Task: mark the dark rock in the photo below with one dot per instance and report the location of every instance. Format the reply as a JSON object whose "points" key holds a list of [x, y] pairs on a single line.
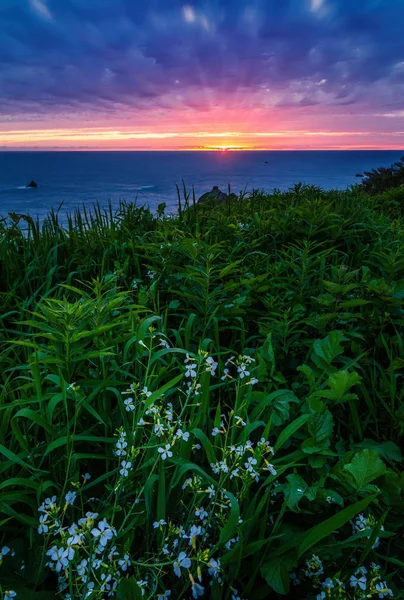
{"points": [[216, 196], [32, 184]]}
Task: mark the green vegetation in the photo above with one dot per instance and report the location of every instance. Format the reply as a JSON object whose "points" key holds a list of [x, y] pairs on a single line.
{"points": [[209, 404], [383, 179]]}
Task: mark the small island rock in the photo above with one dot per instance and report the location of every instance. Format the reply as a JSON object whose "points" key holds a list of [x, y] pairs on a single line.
{"points": [[216, 196], [32, 184]]}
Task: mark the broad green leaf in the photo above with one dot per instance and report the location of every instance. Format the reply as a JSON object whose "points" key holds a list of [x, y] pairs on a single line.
{"points": [[276, 574], [321, 426], [365, 467], [339, 384], [327, 349], [386, 450], [294, 490]]}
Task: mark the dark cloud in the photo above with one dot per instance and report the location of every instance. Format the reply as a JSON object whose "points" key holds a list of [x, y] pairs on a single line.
{"points": [[78, 54]]}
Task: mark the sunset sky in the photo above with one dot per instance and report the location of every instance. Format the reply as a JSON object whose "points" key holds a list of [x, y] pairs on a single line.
{"points": [[171, 74]]}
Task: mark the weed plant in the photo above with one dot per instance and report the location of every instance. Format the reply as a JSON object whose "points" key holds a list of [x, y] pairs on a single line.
{"points": [[205, 405]]}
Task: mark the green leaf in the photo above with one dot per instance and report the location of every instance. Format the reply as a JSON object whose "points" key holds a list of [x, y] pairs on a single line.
{"points": [[386, 450], [321, 426], [15, 459], [327, 527], [129, 590], [207, 445], [365, 467], [276, 574], [294, 490], [162, 390], [230, 528], [290, 430], [339, 384], [33, 416], [327, 349]]}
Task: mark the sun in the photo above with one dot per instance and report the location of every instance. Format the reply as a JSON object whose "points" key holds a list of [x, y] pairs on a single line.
{"points": [[223, 148]]}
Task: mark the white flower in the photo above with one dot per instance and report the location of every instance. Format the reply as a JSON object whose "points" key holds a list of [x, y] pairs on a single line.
{"points": [[124, 563], [242, 370], [166, 594], [193, 533], [70, 497], [157, 524], [358, 582], [182, 562], [271, 468], [86, 476], [197, 590], [215, 431], [120, 446], [61, 557], [125, 468], [48, 504], [106, 586], [184, 436], [129, 404], [240, 421], [146, 392], [211, 491], [82, 568], [214, 568], [211, 365], [226, 374], [165, 452], [9, 594], [159, 429], [43, 528], [164, 343], [383, 590], [90, 516], [104, 532], [328, 583], [252, 381], [190, 372], [249, 465], [187, 483], [5, 550], [201, 513]]}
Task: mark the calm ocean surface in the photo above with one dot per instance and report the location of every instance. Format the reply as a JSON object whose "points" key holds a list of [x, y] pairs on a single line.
{"points": [[77, 178]]}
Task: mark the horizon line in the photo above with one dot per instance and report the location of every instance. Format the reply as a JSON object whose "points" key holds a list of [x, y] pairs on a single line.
{"points": [[217, 149]]}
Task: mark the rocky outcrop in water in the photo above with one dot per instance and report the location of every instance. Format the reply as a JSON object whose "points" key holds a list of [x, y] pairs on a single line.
{"points": [[32, 184], [216, 196]]}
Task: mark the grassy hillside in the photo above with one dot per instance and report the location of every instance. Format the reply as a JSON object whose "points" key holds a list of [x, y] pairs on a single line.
{"points": [[209, 404]]}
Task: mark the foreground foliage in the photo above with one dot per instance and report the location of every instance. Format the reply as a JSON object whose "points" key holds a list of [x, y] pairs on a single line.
{"points": [[208, 405]]}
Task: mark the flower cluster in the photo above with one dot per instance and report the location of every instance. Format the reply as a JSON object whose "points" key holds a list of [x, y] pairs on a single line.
{"points": [[366, 525], [362, 584], [82, 551], [241, 365]]}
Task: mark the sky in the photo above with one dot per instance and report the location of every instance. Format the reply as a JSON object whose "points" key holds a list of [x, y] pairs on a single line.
{"points": [[201, 74]]}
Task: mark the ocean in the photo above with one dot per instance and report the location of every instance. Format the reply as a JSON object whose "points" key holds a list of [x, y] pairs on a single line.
{"points": [[74, 179]]}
